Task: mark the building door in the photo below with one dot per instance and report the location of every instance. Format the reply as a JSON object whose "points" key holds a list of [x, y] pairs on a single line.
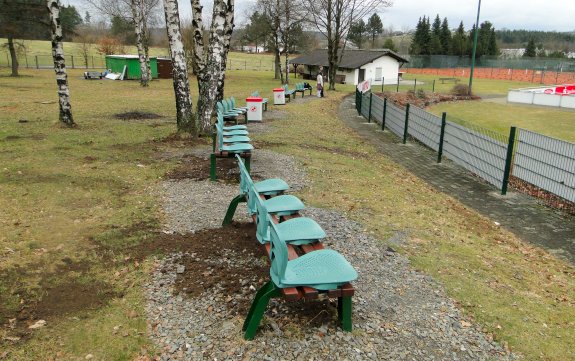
{"points": [[361, 75]]}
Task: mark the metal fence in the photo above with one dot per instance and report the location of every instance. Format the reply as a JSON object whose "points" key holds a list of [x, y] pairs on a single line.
{"points": [[395, 119], [452, 61], [425, 127], [481, 154], [47, 61], [546, 162]]}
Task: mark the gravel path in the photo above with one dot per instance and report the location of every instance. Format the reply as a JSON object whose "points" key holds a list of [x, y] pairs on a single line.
{"points": [[399, 314]]}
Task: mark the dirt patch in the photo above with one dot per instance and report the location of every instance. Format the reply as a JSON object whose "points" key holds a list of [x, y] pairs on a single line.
{"points": [[69, 290], [137, 115], [423, 99], [31, 137], [198, 168], [227, 259]]}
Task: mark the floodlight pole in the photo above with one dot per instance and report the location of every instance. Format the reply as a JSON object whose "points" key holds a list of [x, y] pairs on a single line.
{"points": [[474, 47]]}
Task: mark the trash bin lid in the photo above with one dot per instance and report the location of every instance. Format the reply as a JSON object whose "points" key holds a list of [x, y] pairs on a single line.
{"points": [[254, 99], [279, 89]]}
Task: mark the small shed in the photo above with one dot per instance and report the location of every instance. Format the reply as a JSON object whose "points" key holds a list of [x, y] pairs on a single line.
{"points": [[165, 68], [116, 64], [355, 65]]}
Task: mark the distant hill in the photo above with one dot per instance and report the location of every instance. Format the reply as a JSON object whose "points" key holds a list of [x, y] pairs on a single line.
{"points": [[551, 40]]}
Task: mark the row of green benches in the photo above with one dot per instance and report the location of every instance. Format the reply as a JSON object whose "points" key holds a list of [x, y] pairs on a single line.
{"points": [[300, 267], [299, 88]]}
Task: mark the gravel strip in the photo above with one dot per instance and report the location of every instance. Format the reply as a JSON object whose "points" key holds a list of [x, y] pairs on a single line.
{"points": [[399, 314]]}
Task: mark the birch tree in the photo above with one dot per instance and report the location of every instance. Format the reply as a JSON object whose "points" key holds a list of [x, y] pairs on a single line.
{"points": [[333, 19], [138, 16], [184, 112], [59, 63], [210, 62]]}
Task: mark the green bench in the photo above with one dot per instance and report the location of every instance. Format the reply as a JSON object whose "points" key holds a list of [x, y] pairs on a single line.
{"points": [[300, 267], [229, 141], [288, 93], [449, 80], [229, 112], [300, 88], [256, 94]]}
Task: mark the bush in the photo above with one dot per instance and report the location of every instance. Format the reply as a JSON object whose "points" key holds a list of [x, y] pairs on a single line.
{"points": [[421, 94], [460, 89]]}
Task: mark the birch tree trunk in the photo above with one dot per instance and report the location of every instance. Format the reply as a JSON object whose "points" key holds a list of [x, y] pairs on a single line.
{"points": [[59, 64], [13, 55], [184, 111], [138, 15], [210, 65]]}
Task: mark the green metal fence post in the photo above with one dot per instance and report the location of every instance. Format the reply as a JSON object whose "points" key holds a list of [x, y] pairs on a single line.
{"points": [[508, 160], [441, 136], [382, 83], [397, 89], [370, 99], [358, 103], [37, 66], [415, 85], [384, 112], [72, 58], [433, 89], [405, 129]]}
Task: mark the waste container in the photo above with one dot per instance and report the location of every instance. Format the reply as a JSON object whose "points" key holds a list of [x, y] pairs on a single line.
{"points": [[279, 96], [254, 105]]}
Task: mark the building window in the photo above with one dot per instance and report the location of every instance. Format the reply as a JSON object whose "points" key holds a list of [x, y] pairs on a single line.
{"points": [[378, 72]]}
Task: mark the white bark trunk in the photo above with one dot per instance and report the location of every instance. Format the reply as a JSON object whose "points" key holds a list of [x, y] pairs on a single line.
{"points": [[138, 15], [211, 65], [184, 110], [59, 63]]}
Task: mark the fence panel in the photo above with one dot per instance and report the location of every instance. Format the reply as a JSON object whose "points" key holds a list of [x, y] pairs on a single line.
{"points": [[547, 163], [395, 119], [425, 127], [476, 151], [377, 109], [365, 104]]}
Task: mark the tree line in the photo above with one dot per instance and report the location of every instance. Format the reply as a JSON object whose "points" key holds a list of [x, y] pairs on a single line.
{"points": [[438, 39]]}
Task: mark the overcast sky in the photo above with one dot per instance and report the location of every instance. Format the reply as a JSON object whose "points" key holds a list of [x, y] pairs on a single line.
{"points": [[556, 15]]}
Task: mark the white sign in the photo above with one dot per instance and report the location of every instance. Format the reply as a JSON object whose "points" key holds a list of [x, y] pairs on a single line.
{"points": [[364, 86]]}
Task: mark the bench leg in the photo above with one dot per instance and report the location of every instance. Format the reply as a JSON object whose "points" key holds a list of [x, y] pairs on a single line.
{"points": [[259, 305], [232, 209], [344, 313], [213, 167]]}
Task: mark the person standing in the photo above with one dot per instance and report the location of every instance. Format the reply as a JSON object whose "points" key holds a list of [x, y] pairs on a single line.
{"points": [[320, 83]]}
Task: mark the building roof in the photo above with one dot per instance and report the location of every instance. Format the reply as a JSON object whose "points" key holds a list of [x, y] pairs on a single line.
{"points": [[352, 59]]}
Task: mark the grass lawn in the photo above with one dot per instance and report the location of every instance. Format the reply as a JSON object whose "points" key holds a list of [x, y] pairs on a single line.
{"points": [[75, 201], [496, 115]]}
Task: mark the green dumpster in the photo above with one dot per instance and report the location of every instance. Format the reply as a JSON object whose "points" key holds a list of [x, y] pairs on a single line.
{"points": [[116, 64]]}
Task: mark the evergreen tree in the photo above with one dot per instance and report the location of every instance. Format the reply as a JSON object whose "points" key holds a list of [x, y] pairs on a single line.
{"points": [[435, 46], [470, 41], [70, 18], [531, 49], [459, 41], [420, 45], [493, 49], [374, 27], [445, 37], [357, 33], [87, 18], [389, 44]]}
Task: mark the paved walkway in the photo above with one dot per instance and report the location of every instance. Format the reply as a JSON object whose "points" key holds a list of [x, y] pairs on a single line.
{"points": [[517, 212]]}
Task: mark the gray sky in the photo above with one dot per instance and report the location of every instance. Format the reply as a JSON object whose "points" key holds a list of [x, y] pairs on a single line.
{"points": [[556, 15]]}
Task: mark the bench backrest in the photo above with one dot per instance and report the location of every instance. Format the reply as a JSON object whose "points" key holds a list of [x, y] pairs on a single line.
{"points": [[278, 252], [262, 215], [233, 102], [245, 179], [256, 93], [220, 107], [220, 130]]}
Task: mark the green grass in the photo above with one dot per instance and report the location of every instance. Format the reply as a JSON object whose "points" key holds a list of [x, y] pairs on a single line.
{"points": [[87, 194]]}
